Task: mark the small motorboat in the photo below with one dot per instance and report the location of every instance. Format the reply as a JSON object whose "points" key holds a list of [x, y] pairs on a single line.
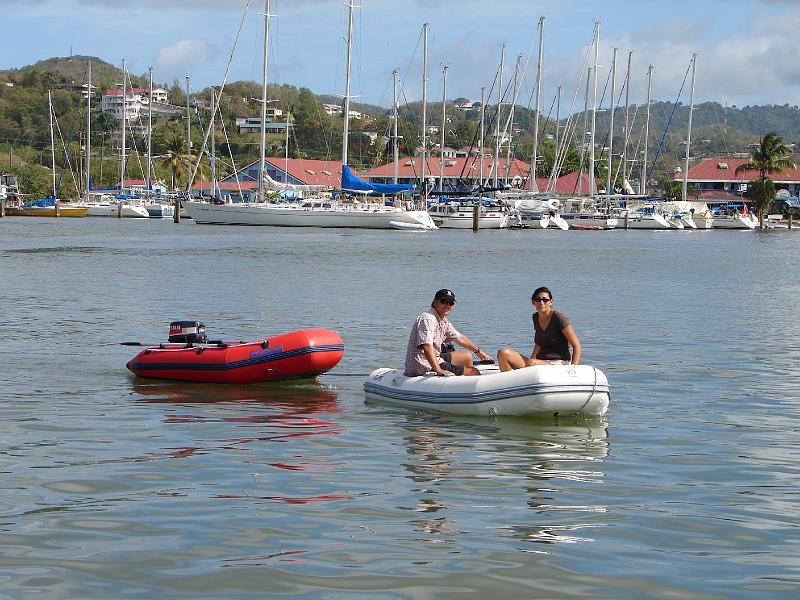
{"points": [[554, 390], [189, 356]]}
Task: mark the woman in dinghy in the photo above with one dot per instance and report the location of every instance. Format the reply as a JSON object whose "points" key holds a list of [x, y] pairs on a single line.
{"points": [[553, 338]]}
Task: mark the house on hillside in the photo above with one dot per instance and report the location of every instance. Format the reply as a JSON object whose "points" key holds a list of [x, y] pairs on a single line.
{"points": [[253, 125]]}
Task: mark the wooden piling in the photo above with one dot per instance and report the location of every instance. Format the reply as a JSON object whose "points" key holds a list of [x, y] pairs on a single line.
{"points": [[790, 221], [58, 208], [119, 209], [476, 217], [626, 219], [176, 218], [2, 208]]}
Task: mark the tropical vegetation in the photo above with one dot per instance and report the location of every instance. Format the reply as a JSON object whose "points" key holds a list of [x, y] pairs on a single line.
{"points": [[25, 140], [770, 157]]}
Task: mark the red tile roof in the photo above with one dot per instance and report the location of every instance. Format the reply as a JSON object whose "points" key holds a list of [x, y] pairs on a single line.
{"points": [[311, 172], [571, 183], [466, 167], [711, 169]]}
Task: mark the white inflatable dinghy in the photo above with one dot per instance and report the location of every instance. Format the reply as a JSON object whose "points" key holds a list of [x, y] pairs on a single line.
{"points": [[555, 389]]}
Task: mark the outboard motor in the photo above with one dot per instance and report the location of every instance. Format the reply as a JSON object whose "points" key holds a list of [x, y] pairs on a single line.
{"points": [[187, 332]]}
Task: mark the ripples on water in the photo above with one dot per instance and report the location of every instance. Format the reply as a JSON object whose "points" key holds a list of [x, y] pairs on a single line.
{"points": [[120, 487]]}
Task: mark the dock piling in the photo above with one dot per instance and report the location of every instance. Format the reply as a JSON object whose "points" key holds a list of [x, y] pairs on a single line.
{"points": [[177, 216], [476, 217]]}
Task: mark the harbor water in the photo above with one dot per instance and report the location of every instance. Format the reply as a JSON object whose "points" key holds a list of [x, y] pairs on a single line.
{"points": [[119, 487]]}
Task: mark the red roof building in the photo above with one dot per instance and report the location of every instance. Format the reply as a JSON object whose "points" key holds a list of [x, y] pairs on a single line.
{"points": [[574, 183], [464, 169], [297, 171], [719, 174]]}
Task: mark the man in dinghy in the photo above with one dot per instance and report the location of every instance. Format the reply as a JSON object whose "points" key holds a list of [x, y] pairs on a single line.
{"points": [[430, 331], [553, 338]]}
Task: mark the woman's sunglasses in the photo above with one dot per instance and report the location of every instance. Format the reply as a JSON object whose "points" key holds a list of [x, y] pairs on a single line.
{"points": [[545, 300]]}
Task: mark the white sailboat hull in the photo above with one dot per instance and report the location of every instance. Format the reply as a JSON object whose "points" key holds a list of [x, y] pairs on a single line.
{"points": [[126, 211], [734, 222], [654, 221], [160, 210], [262, 214], [590, 221], [465, 221]]}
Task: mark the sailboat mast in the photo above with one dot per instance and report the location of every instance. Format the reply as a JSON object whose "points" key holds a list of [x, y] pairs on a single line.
{"points": [[424, 114], [585, 131], [643, 182], [89, 132], [52, 141], [612, 108], [395, 149], [534, 158], [150, 133], [213, 140], [627, 124], [286, 150], [124, 150], [509, 129], [483, 130], [346, 111], [263, 146], [188, 135], [496, 163], [444, 120], [557, 169], [592, 182], [685, 185]]}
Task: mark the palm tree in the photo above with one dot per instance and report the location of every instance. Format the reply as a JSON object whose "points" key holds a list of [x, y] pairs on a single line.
{"points": [[173, 156], [771, 156]]}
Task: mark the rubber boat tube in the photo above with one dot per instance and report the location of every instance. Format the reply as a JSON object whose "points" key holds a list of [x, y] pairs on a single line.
{"points": [[555, 389], [302, 353]]}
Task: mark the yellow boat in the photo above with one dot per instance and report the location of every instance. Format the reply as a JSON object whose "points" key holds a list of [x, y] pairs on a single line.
{"points": [[47, 208]]}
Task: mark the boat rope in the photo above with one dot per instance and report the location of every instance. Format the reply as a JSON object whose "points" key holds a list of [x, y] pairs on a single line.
{"points": [[594, 389]]}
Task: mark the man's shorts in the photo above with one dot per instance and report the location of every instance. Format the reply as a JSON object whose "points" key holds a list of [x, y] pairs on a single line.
{"points": [[448, 366]]}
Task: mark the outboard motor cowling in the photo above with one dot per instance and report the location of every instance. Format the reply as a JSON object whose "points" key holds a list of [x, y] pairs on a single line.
{"points": [[187, 332]]}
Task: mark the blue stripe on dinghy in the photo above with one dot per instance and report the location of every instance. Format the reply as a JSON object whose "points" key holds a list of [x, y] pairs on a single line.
{"points": [[482, 397], [238, 364]]}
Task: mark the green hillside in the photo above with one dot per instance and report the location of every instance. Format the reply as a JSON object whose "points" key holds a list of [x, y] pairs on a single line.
{"points": [[25, 138]]}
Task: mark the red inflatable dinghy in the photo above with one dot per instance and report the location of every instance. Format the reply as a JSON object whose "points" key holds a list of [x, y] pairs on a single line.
{"points": [[302, 353]]}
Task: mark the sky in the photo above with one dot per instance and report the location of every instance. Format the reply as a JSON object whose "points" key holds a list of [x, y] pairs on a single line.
{"points": [[746, 48]]}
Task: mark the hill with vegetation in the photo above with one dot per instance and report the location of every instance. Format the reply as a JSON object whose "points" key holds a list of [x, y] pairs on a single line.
{"points": [[25, 139]]}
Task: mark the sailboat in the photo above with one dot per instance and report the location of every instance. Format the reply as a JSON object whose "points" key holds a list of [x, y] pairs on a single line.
{"points": [[315, 211], [104, 205], [49, 207]]}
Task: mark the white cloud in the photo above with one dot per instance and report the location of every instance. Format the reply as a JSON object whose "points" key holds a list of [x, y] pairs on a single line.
{"points": [[178, 59]]}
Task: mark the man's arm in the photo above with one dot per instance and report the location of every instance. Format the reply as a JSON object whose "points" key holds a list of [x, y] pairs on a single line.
{"points": [[430, 355], [467, 343]]}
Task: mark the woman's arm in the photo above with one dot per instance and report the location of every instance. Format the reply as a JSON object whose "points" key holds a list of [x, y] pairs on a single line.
{"points": [[574, 342], [535, 351]]}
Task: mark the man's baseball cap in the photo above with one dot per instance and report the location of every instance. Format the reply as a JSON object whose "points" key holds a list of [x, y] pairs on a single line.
{"points": [[445, 294]]}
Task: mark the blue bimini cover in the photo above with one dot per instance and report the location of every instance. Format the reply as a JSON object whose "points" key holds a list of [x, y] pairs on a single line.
{"points": [[351, 183], [43, 203]]}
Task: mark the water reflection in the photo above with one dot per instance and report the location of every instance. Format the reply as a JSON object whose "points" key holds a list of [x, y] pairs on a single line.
{"points": [[529, 480], [267, 413], [305, 397]]}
